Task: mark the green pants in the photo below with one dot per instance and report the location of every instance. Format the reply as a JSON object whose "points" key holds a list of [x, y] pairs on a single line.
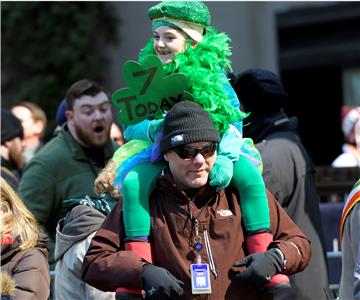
{"points": [[253, 201], [140, 182], [137, 187]]}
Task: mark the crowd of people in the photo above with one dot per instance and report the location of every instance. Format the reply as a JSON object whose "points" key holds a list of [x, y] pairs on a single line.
{"points": [[189, 204]]}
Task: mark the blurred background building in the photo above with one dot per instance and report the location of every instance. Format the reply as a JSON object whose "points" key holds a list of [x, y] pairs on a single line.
{"points": [[313, 46]]}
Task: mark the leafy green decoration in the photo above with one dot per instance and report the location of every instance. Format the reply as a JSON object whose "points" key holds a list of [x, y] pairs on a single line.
{"points": [[149, 92]]}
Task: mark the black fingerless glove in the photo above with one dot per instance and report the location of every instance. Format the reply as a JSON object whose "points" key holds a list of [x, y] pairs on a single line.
{"points": [[260, 267], [159, 283]]}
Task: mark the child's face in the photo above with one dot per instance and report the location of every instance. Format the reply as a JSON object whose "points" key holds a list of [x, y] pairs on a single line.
{"points": [[168, 42]]}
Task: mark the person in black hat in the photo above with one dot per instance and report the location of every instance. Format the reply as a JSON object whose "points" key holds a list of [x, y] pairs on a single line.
{"points": [[193, 227], [288, 171], [12, 162]]}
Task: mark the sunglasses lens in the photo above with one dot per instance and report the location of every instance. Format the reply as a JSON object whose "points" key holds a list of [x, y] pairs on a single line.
{"points": [[190, 152], [208, 151], [185, 153]]}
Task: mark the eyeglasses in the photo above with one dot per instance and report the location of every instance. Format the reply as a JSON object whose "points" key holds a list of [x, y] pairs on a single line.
{"points": [[186, 152]]}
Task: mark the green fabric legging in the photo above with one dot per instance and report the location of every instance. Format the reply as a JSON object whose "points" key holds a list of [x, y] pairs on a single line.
{"points": [[137, 187], [140, 182], [253, 201]]}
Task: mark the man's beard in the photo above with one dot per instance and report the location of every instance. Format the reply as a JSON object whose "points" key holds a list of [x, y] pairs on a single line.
{"points": [[87, 139], [16, 159]]}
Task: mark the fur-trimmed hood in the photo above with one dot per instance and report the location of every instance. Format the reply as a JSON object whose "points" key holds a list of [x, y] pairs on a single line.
{"points": [[7, 287]]}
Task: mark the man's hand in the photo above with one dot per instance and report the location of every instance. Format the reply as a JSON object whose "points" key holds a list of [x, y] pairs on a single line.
{"points": [[260, 267], [221, 173], [159, 283]]}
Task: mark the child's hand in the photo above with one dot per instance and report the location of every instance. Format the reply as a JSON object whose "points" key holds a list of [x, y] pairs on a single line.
{"points": [[154, 127], [221, 173]]}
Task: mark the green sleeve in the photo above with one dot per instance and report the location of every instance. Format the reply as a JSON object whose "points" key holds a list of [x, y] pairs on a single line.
{"points": [[138, 131], [37, 190]]}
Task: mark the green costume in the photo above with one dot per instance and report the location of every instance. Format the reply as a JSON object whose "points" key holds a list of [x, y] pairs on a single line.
{"points": [[211, 89], [204, 65]]}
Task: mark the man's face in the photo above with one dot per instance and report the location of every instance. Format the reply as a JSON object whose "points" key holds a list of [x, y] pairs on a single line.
{"points": [[90, 120], [116, 134], [168, 42], [32, 129], [15, 149], [191, 173]]}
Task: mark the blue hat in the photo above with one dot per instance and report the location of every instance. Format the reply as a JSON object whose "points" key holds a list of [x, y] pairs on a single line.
{"points": [[60, 113]]}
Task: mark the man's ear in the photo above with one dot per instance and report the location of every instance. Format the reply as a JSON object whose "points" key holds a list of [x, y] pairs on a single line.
{"points": [[69, 115], [7, 144], [166, 157]]}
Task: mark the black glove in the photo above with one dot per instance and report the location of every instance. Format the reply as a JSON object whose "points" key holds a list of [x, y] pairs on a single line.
{"points": [[159, 283], [260, 267]]}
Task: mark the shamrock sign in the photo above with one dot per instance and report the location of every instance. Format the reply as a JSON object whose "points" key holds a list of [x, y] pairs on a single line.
{"points": [[149, 92]]}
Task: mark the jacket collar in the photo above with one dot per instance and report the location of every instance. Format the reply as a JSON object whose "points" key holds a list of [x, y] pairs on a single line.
{"points": [[199, 196], [262, 126]]}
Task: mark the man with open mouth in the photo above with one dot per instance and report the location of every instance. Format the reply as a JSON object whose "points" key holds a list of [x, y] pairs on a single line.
{"points": [[68, 165]]}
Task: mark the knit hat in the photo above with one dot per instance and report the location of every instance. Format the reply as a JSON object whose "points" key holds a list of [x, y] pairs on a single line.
{"points": [[185, 123], [260, 92], [190, 16], [10, 126]]}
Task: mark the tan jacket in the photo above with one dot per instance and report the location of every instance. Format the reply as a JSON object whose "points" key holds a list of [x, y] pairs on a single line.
{"points": [[29, 270]]}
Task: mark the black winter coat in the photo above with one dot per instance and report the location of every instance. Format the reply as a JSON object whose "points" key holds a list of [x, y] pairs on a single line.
{"points": [[289, 175]]}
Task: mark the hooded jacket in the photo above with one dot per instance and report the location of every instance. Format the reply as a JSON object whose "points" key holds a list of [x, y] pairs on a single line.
{"points": [[29, 270], [172, 242], [73, 237]]}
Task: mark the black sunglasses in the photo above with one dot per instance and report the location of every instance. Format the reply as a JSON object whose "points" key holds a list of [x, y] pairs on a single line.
{"points": [[187, 152]]}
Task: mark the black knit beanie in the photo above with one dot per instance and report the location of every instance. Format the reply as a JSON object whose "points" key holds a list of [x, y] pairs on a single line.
{"points": [[185, 123], [10, 126]]}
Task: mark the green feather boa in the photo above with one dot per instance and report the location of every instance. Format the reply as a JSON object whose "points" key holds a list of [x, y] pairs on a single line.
{"points": [[205, 65]]}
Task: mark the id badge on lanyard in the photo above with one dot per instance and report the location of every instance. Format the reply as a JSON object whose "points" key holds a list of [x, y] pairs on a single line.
{"points": [[200, 279], [200, 272]]}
